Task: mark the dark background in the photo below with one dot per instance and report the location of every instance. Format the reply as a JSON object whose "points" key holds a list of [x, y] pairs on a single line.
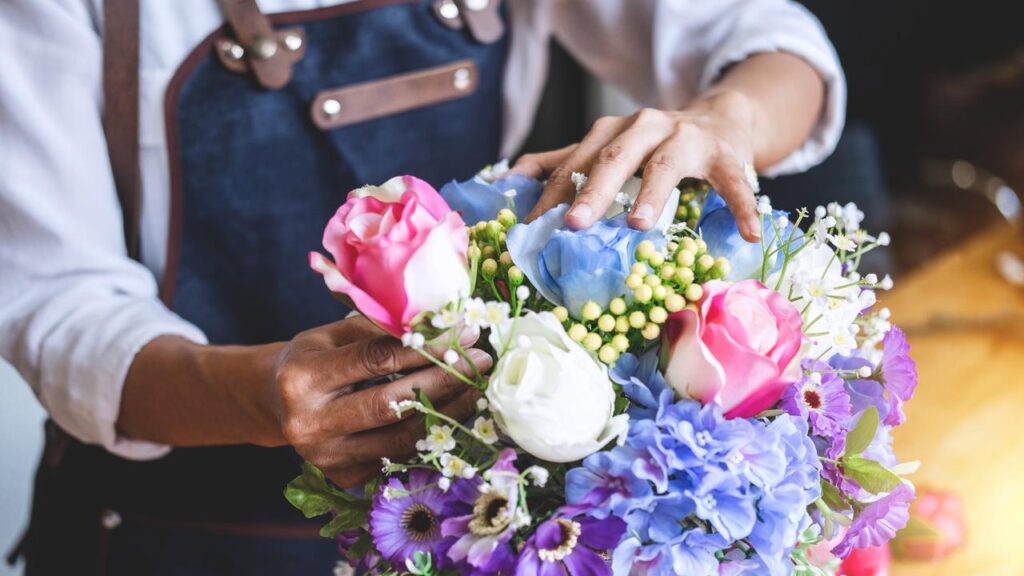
{"points": [[929, 83]]}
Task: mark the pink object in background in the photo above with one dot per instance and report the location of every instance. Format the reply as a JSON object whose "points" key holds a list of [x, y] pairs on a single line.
{"points": [[867, 562], [937, 527]]}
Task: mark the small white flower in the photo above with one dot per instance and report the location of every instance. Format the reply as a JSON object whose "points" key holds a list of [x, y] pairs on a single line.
{"points": [[622, 199], [886, 283], [816, 290], [782, 222], [522, 293], [538, 474], [819, 212], [385, 464], [481, 404], [843, 242], [389, 493], [521, 519], [510, 193], [484, 429], [883, 239], [439, 440], [578, 180], [852, 216], [444, 484], [454, 467], [394, 406], [445, 319], [864, 371], [843, 341], [871, 278], [764, 205], [829, 221], [451, 356], [490, 173], [413, 340], [495, 312], [885, 313], [475, 313]]}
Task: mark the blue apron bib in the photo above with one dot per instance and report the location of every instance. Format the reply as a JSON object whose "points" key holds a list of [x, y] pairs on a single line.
{"points": [[254, 181]]}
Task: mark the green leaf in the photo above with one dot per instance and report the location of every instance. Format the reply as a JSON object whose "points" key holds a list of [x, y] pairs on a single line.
{"points": [[832, 497], [429, 419], [860, 437], [363, 545], [311, 493], [871, 475], [349, 517]]}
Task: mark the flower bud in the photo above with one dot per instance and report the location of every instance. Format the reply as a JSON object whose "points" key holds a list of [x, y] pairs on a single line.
{"points": [[620, 343], [694, 292], [606, 323], [488, 251], [684, 277], [617, 306], [637, 319], [656, 259], [592, 342], [506, 218], [622, 324], [643, 293], [685, 258], [634, 281], [505, 259], [515, 275], [474, 252], [577, 332], [658, 315], [590, 311], [561, 312], [489, 268], [652, 280], [639, 268], [645, 250], [608, 354], [667, 272], [659, 292], [674, 302], [704, 263], [651, 331]]}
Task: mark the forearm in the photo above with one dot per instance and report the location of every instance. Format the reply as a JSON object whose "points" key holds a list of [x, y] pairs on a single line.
{"points": [[184, 394], [780, 97]]}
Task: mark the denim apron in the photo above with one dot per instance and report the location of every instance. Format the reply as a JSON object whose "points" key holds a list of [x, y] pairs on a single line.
{"points": [[256, 174]]}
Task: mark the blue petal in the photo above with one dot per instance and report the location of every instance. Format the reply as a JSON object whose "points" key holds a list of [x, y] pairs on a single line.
{"points": [[525, 243]]}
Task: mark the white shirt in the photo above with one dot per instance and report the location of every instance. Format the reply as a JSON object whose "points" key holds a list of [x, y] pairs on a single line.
{"points": [[74, 309]]}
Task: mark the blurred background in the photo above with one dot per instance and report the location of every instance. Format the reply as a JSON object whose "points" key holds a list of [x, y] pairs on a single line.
{"points": [[933, 151]]}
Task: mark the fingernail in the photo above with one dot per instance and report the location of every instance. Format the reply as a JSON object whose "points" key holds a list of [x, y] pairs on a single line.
{"points": [[582, 212], [753, 226], [643, 212], [480, 358]]}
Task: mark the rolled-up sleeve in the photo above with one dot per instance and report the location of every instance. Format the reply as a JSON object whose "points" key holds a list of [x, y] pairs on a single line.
{"points": [[74, 309], [665, 53]]}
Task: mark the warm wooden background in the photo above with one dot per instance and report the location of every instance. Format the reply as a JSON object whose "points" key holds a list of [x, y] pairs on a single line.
{"points": [[966, 422]]}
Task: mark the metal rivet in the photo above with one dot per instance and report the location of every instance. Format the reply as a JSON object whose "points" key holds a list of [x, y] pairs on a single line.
{"points": [[331, 107], [232, 50], [264, 47], [462, 79], [110, 519], [477, 5], [292, 42], [448, 10]]}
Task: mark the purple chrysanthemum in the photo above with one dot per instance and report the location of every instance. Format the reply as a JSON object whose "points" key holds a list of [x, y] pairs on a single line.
{"points": [[406, 518], [878, 522], [563, 546], [899, 374], [821, 398], [480, 538]]}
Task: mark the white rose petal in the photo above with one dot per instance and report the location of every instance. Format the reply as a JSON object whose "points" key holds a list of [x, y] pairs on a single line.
{"points": [[548, 394]]}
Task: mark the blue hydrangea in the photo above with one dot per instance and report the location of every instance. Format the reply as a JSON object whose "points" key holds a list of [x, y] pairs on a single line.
{"points": [[718, 228], [689, 483]]}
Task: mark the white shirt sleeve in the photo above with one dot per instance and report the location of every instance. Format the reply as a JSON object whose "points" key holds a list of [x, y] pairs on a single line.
{"points": [[74, 309], [664, 53]]}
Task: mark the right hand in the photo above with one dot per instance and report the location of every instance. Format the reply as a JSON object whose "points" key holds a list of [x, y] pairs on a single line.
{"points": [[345, 432]]}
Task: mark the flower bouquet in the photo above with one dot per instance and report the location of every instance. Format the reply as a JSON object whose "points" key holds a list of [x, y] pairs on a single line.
{"points": [[672, 401]]}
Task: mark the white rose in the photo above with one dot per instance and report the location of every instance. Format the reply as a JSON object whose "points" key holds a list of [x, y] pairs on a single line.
{"points": [[548, 394]]}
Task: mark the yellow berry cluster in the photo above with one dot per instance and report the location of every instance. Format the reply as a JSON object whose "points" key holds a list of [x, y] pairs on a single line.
{"points": [[659, 284], [489, 254], [691, 197]]}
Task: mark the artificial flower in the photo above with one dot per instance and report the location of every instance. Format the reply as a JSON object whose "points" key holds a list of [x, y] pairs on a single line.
{"points": [[878, 522], [936, 529], [539, 373], [569, 546], [573, 267], [820, 397], [898, 374], [398, 251], [479, 199], [406, 518], [740, 350], [718, 228]]}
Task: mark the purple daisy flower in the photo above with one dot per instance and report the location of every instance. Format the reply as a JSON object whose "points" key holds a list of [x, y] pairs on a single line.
{"points": [[563, 545], [406, 518], [481, 537], [878, 522], [821, 398], [899, 374]]}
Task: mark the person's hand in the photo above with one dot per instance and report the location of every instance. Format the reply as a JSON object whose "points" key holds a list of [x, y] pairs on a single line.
{"points": [[711, 140], [345, 432]]}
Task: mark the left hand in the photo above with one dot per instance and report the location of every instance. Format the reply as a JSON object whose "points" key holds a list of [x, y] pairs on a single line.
{"points": [[712, 140]]}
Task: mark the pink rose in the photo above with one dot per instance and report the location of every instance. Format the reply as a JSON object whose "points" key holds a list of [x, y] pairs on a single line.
{"points": [[741, 350], [398, 250], [936, 528]]}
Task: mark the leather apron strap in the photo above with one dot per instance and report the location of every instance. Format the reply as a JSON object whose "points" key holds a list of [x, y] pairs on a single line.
{"points": [[271, 65], [121, 109]]}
